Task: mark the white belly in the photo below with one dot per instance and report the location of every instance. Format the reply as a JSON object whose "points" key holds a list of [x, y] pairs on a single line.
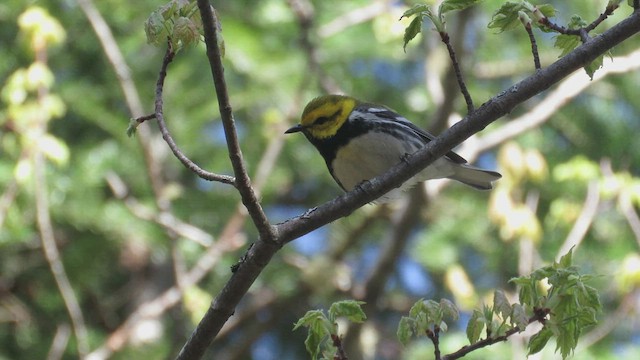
{"points": [[364, 158]]}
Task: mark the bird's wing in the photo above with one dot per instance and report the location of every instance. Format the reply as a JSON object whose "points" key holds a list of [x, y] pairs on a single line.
{"points": [[389, 114]]}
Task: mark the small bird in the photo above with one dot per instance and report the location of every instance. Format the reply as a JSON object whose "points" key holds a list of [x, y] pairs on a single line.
{"points": [[360, 141]]}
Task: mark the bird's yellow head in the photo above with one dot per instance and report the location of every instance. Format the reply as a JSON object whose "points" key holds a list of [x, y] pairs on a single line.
{"points": [[324, 116]]}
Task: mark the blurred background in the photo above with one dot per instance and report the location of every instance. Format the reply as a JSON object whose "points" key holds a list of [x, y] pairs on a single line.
{"points": [[110, 248]]}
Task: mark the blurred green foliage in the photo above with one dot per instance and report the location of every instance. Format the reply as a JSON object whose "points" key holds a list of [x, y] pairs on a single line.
{"points": [[125, 231]]}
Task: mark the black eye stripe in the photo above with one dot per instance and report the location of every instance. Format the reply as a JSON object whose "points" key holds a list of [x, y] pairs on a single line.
{"points": [[321, 120], [324, 119]]}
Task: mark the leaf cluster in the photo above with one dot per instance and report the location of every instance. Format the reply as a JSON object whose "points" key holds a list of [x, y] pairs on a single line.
{"points": [[324, 326], [426, 317], [422, 11], [565, 307], [179, 21], [571, 304], [512, 14]]}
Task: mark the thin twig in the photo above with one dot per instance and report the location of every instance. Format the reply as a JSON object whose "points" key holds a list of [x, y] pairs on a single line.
{"points": [[166, 135], [340, 353], [539, 316], [534, 46], [454, 62], [443, 87], [139, 120], [434, 336], [603, 16], [582, 32]]}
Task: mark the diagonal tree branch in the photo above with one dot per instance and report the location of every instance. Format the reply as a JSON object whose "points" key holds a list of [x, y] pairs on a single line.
{"points": [[262, 251], [242, 181]]}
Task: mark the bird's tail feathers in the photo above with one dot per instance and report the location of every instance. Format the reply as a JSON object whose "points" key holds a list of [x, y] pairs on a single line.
{"points": [[475, 177]]}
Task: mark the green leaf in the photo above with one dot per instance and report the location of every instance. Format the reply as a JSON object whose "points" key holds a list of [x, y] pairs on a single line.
{"points": [[539, 340], [310, 319], [155, 30], [319, 329], [350, 309], [566, 43], [449, 309], [412, 30], [519, 317], [416, 9], [506, 18], [576, 22], [501, 304], [567, 259], [592, 298], [475, 326], [547, 10], [594, 65], [417, 309], [450, 5], [313, 342], [405, 330], [433, 312]]}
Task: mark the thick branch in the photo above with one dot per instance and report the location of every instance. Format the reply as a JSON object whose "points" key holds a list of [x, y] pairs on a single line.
{"points": [[259, 255]]}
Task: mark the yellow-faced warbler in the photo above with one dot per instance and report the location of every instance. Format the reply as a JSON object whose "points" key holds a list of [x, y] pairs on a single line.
{"points": [[360, 141]]}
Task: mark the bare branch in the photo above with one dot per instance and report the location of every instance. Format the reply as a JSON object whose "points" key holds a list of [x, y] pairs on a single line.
{"points": [[242, 181], [434, 336], [534, 46], [166, 135], [582, 32], [456, 67]]}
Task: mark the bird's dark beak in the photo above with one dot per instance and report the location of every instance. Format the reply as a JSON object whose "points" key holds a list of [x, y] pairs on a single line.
{"points": [[295, 129]]}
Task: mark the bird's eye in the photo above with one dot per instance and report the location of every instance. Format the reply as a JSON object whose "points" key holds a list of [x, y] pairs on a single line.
{"points": [[321, 120]]}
